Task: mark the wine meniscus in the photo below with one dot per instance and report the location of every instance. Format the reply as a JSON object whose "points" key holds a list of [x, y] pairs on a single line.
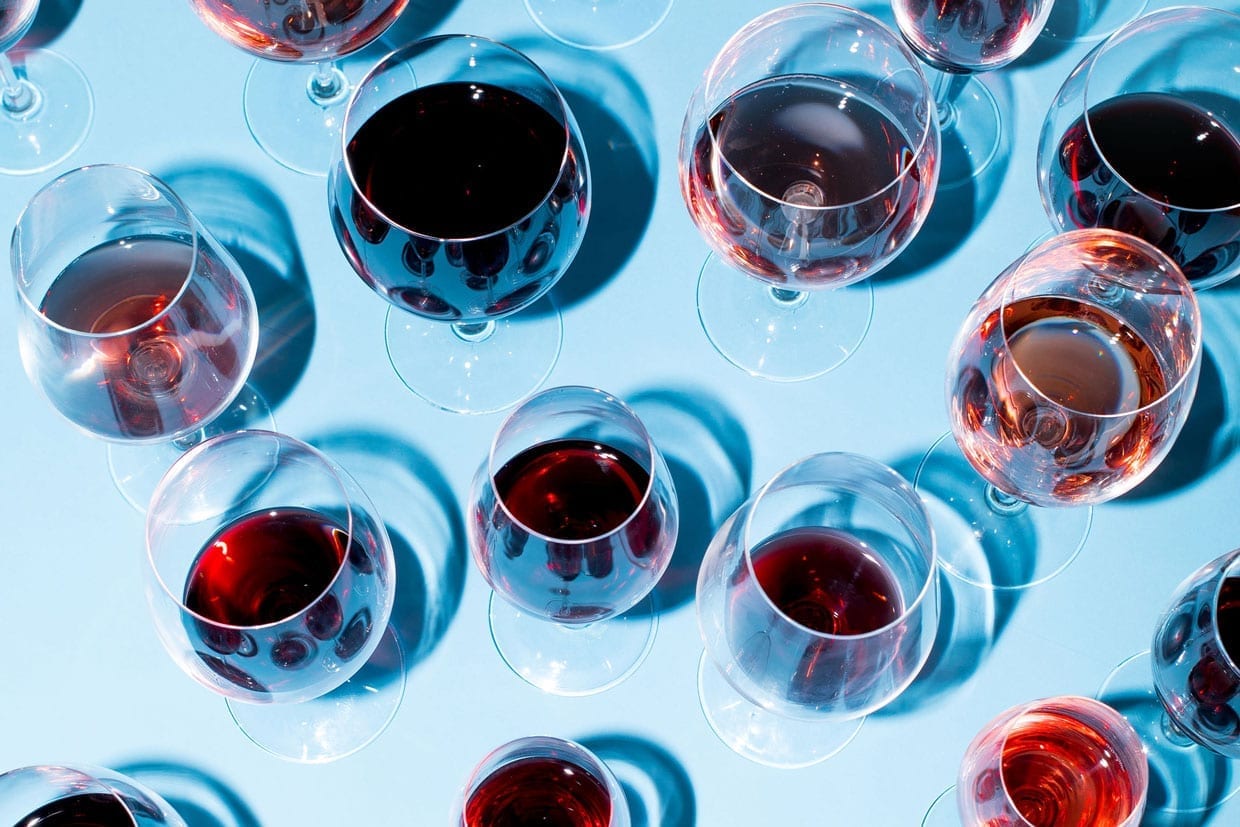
{"points": [[299, 30], [539, 791], [970, 35]]}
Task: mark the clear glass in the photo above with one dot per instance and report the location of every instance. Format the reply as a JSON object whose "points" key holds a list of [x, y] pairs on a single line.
{"points": [[786, 694], [321, 682], [557, 620], [137, 325], [37, 795], [296, 92], [1172, 72], [449, 332], [1087, 21], [598, 24], [804, 214]]}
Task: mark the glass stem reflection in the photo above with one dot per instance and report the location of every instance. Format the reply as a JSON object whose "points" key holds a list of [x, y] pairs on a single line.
{"points": [[474, 332], [19, 97], [788, 299], [1174, 733], [1003, 503], [328, 85], [947, 88]]}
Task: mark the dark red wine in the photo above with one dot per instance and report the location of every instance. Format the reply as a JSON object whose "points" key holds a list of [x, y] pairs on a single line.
{"points": [[970, 35], [470, 200], [539, 792], [1159, 167], [299, 29], [80, 810]]}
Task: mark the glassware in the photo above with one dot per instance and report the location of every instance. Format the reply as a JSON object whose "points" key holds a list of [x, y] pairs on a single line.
{"points": [[1067, 384], [293, 111], [792, 211], [138, 326], [1087, 21], [959, 39], [1169, 78], [598, 24], [46, 105], [542, 780], [573, 519], [271, 581], [61, 796], [461, 198], [818, 604]]}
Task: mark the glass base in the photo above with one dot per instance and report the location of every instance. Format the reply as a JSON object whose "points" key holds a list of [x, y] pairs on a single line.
{"points": [[572, 660], [988, 538], [972, 123], [334, 725], [295, 121], [781, 335], [475, 371], [943, 811], [598, 24], [1185, 777], [762, 736], [56, 121], [1087, 21]]}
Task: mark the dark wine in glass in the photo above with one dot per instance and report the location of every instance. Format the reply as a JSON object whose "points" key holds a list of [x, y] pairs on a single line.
{"points": [[81, 810], [80, 796]]}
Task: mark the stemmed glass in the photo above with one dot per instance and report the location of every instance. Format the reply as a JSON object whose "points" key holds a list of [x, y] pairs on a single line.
{"points": [[293, 111], [1067, 384], [461, 198], [1144, 137], [573, 519], [598, 24], [46, 104], [808, 160], [817, 603], [542, 780], [271, 579], [960, 38], [1082, 21], [137, 325], [63, 796]]}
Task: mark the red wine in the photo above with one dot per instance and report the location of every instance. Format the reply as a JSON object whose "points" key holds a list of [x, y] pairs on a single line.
{"points": [[539, 792], [970, 35], [80, 810], [299, 30], [15, 18], [778, 150], [1156, 166], [480, 195]]}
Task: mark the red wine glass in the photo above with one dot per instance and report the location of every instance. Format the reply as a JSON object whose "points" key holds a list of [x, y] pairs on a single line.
{"points": [[296, 91], [138, 326], [80, 796], [270, 581], [1067, 384], [598, 24], [461, 198], [1144, 138], [808, 160], [573, 519], [545, 781], [818, 604], [1065, 761]]}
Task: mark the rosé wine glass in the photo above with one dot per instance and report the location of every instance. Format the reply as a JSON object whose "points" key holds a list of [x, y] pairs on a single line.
{"points": [[80, 796], [572, 521]]}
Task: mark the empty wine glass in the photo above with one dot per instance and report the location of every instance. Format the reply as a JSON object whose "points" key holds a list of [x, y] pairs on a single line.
{"points": [[818, 604], [1067, 384], [960, 38], [1065, 761], [542, 780], [80, 796], [1085, 21], [138, 326], [808, 160], [461, 198], [598, 24], [271, 579], [46, 104], [294, 111], [573, 519], [1144, 137]]}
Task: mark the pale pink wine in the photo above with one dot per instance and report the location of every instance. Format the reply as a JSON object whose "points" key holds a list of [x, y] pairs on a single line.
{"points": [[299, 29], [80, 810]]}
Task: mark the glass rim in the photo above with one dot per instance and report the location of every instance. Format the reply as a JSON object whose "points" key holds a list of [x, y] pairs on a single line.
{"points": [[1229, 567], [191, 225], [403, 55], [97, 777]]}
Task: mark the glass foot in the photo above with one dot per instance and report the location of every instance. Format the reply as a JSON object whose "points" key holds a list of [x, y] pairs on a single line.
{"points": [[56, 115], [598, 24], [943, 811], [564, 659], [781, 335], [1086, 21], [972, 123], [296, 116]]}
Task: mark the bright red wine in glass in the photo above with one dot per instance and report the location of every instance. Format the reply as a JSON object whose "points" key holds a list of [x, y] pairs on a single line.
{"points": [[539, 792]]}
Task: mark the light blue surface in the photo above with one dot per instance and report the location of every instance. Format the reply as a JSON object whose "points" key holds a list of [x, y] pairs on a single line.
{"points": [[83, 678]]}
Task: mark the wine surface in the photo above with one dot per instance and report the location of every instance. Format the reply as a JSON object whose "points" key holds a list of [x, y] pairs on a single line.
{"points": [[298, 30], [539, 792]]}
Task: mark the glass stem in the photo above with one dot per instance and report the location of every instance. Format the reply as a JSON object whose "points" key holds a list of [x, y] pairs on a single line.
{"points": [[1001, 502], [1174, 734], [328, 84], [474, 332], [788, 299], [17, 97], [947, 89]]}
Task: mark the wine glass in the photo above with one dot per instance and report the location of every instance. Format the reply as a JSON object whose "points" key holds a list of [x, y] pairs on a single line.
{"points": [[1065, 761], [461, 198], [542, 780], [598, 24], [293, 111], [1086, 21], [46, 104], [271, 579], [808, 160], [573, 519], [818, 604], [960, 38], [75, 796], [1168, 77], [138, 326], [1067, 384]]}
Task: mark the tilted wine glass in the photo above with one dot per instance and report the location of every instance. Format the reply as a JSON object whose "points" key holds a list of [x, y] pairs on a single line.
{"points": [[572, 520], [1144, 137], [818, 604], [461, 198], [598, 24], [74, 796], [808, 160], [270, 580], [294, 111]]}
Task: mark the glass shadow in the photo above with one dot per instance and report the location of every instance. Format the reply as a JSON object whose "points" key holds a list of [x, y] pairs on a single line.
{"points": [[200, 798], [50, 22], [657, 787]]}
